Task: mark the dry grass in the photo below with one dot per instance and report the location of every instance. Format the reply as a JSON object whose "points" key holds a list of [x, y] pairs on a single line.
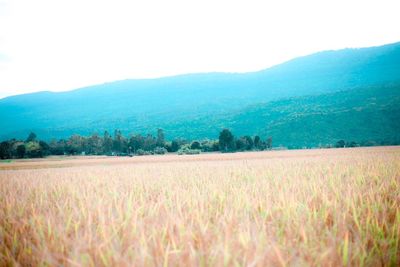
{"points": [[336, 207]]}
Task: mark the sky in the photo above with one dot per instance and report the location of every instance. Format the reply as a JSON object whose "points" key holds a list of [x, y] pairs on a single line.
{"points": [[56, 45]]}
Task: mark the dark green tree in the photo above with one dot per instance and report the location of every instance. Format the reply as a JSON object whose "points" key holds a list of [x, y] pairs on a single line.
{"points": [[226, 141], [58, 147], [21, 150], [215, 146], [268, 143], [75, 144], [352, 144], [107, 143], [94, 144], [249, 142], [174, 146], [195, 145], [240, 144], [5, 150], [44, 148], [257, 142], [341, 143], [160, 138], [136, 142], [120, 145], [150, 143], [14, 147]]}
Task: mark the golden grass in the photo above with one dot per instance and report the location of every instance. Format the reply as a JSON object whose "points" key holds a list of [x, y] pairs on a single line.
{"points": [[337, 207]]}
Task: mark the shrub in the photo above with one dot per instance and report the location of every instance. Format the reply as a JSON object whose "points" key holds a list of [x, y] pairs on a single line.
{"points": [[141, 152], [188, 151], [160, 150]]}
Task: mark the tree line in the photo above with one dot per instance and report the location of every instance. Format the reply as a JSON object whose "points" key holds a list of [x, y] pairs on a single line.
{"points": [[134, 144]]}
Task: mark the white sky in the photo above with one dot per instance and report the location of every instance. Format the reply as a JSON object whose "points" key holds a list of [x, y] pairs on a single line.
{"points": [[61, 45]]}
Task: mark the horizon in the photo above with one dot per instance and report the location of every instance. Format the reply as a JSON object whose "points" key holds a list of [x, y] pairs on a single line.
{"points": [[60, 46]]}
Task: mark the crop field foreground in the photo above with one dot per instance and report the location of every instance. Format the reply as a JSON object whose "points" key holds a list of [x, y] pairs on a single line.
{"points": [[334, 207]]}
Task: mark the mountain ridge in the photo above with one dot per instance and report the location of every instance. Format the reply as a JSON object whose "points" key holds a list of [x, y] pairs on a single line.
{"points": [[140, 104], [355, 49]]}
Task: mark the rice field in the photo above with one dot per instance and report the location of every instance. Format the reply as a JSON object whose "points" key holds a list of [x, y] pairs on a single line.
{"points": [[334, 207]]}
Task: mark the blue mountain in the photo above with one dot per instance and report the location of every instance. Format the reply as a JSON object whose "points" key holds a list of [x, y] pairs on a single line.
{"points": [[198, 105]]}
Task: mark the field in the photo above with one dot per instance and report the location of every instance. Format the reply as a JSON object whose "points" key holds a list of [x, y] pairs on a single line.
{"points": [[334, 207]]}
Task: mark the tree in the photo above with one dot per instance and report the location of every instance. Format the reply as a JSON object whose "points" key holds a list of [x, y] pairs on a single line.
{"points": [[120, 143], [5, 150], [269, 143], [14, 147], [195, 145], [244, 143], [160, 138], [58, 147], [44, 148], [241, 144], [352, 144], [257, 142], [215, 146], [341, 143], [174, 146], [31, 138], [95, 144], [209, 145], [136, 142], [33, 150], [21, 151], [149, 143], [107, 143], [75, 144], [226, 140], [249, 142]]}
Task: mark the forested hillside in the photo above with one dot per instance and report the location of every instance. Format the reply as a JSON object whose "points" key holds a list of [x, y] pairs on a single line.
{"points": [[350, 93], [364, 114]]}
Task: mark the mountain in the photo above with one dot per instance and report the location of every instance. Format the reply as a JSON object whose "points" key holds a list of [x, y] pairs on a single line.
{"points": [[198, 105]]}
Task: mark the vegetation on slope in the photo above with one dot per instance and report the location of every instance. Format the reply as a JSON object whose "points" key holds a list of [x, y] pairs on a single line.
{"points": [[365, 114], [198, 105]]}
